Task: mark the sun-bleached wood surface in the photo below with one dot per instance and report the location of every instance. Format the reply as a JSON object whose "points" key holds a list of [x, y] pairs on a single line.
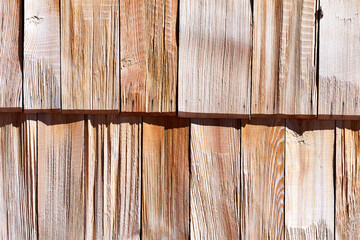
{"points": [[262, 179], [148, 55], [214, 58], [215, 179], [283, 63], [339, 85], [309, 179], [165, 174], [347, 206], [41, 55]]}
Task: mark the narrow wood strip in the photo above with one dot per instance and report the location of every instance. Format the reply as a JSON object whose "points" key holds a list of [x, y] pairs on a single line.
{"points": [[215, 179], [262, 179], [42, 55], [165, 197]]}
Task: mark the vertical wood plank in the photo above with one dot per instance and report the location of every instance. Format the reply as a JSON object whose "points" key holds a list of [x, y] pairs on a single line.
{"points": [[165, 198], [148, 55], [262, 179], [309, 179], [112, 177], [10, 55], [214, 58], [61, 176], [215, 179], [42, 55], [284, 70], [339, 86], [90, 55], [347, 206], [18, 218]]}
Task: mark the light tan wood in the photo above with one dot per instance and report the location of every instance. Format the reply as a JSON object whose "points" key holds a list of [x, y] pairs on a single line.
{"points": [[18, 218], [10, 55], [347, 206], [42, 55], [214, 57], [284, 47], [165, 196], [90, 55], [113, 177], [61, 176], [309, 179], [215, 179], [148, 55], [262, 179], [339, 86]]}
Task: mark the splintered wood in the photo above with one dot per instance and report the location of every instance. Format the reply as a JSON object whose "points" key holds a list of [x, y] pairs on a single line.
{"points": [[339, 85], [165, 197], [309, 179], [42, 55], [214, 58], [10, 55], [284, 70], [148, 55], [90, 55], [262, 179], [215, 179]]}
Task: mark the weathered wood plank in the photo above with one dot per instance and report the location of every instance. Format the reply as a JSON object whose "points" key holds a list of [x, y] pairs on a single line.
{"points": [[309, 179], [10, 55], [284, 71], [339, 86], [90, 55], [214, 58], [18, 218], [215, 179], [262, 179], [347, 206], [148, 55], [61, 176], [165, 197], [112, 177], [42, 55]]}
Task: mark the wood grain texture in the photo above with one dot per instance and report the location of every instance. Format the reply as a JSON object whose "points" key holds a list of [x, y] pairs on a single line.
{"points": [[284, 71], [42, 55], [10, 55], [90, 55], [347, 206], [112, 177], [61, 176], [165, 196], [309, 179], [262, 179], [215, 179], [18, 218], [148, 55], [339, 86], [214, 58]]}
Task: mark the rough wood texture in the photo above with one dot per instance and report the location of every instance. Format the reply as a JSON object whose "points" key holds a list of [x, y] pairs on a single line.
{"points": [[347, 206], [309, 179], [165, 197], [339, 86], [42, 55], [284, 71], [90, 55], [148, 55], [18, 218], [10, 55], [214, 58], [112, 177], [60, 176], [262, 179], [215, 179]]}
